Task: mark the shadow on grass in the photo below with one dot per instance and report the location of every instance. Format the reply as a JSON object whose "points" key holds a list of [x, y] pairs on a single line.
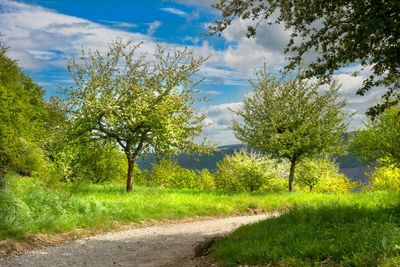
{"points": [[325, 235]]}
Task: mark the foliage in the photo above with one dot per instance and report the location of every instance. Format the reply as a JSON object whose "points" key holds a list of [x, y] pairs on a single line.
{"points": [[333, 233], [291, 119], [206, 180], [336, 32], [248, 172], [380, 138], [309, 173], [27, 158], [94, 162], [3, 171], [168, 174], [22, 120], [140, 104], [386, 176], [30, 208], [322, 175], [336, 183]]}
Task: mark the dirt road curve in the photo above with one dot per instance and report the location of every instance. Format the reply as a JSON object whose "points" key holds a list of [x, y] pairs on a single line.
{"points": [[167, 245]]}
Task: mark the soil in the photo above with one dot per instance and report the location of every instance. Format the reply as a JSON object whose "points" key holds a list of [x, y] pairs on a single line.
{"points": [[168, 244]]}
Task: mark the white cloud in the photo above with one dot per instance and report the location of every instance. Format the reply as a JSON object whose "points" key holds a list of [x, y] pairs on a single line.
{"points": [[40, 38], [248, 54], [174, 11], [194, 40], [119, 24], [43, 55], [357, 104], [210, 92], [219, 121], [153, 26]]}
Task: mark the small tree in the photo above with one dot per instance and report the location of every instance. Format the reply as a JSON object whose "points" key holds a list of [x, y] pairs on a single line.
{"points": [[309, 174], [312, 172], [291, 119], [144, 105], [380, 139]]}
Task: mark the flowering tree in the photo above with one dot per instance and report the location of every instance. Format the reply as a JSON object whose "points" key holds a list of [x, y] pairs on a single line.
{"points": [[143, 104]]}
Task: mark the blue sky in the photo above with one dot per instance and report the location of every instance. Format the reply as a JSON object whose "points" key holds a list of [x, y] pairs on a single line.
{"points": [[44, 34]]}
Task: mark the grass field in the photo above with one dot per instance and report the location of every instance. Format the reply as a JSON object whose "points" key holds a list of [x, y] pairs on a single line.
{"points": [[348, 229], [29, 208], [353, 230]]}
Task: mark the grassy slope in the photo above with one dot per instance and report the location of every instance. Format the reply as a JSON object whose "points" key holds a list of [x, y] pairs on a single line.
{"points": [[30, 208], [353, 230]]}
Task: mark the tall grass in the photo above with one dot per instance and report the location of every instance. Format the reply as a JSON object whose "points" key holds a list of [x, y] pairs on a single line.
{"points": [[28, 208], [361, 231]]}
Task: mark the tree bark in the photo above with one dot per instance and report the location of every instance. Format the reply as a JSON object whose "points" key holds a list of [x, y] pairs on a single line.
{"points": [[291, 174], [129, 178]]}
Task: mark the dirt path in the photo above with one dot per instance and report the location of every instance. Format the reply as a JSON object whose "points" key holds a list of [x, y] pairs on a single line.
{"points": [[167, 245]]}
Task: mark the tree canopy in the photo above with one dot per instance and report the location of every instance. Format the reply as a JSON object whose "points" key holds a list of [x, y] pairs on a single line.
{"points": [[338, 32], [291, 119], [23, 115], [380, 139], [143, 104]]}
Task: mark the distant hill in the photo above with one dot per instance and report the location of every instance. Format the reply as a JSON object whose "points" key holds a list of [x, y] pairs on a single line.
{"points": [[202, 162], [349, 164]]}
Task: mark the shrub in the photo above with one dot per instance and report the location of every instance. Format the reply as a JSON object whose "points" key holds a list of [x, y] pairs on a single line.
{"points": [[205, 180], [3, 171], [385, 177], [26, 158], [247, 172], [322, 175], [99, 164], [89, 162], [338, 183], [167, 173]]}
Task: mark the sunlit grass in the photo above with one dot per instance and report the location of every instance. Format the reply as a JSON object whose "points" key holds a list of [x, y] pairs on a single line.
{"points": [[346, 230], [29, 208]]}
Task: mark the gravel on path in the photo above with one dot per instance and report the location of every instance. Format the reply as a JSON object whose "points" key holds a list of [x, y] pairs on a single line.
{"points": [[165, 245]]}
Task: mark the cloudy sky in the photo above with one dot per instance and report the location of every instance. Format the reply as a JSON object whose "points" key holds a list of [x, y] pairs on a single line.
{"points": [[44, 34]]}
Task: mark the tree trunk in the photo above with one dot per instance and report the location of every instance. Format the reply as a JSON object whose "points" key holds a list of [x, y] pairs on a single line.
{"points": [[129, 178], [291, 174], [311, 188]]}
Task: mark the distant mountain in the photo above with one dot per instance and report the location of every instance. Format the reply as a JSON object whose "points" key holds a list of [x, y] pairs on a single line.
{"points": [[202, 162], [349, 164]]}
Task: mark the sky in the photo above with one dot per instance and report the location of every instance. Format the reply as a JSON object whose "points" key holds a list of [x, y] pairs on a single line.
{"points": [[43, 35]]}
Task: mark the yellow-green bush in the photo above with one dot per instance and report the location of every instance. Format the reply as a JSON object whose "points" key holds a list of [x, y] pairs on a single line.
{"points": [[26, 158], [247, 172], [89, 162], [338, 183], [385, 177], [206, 180], [167, 173], [322, 175]]}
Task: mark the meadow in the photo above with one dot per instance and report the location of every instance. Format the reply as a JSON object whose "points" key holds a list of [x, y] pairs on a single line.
{"points": [[28, 207], [347, 230]]}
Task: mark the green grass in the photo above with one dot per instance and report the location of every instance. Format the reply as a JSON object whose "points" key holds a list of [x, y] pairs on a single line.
{"points": [[352, 230], [29, 208]]}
